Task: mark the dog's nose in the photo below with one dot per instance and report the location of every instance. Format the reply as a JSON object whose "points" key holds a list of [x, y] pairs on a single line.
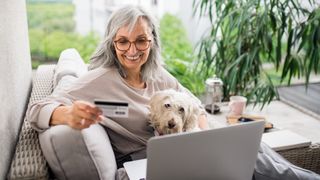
{"points": [[171, 124]]}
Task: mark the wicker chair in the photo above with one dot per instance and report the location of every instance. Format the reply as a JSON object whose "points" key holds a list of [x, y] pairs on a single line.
{"points": [[29, 162], [306, 157]]}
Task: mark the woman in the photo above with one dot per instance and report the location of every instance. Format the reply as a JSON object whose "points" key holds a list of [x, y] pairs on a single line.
{"points": [[126, 67]]}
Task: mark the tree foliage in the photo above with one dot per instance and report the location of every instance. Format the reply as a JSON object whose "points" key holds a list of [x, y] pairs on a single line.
{"points": [[245, 34], [52, 29], [177, 52]]}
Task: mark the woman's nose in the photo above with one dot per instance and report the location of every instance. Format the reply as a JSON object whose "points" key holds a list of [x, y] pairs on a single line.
{"points": [[132, 49]]}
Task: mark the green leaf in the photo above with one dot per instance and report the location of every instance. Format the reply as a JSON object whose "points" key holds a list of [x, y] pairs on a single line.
{"points": [[250, 33]]}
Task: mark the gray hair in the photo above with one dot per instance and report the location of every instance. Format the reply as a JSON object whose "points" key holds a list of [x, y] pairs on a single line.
{"points": [[105, 54]]}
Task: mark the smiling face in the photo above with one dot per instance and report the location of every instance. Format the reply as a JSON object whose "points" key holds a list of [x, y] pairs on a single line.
{"points": [[133, 58]]}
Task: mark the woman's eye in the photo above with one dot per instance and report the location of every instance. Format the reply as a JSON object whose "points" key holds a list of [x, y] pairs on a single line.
{"points": [[123, 41], [181, 110], [167, 105], [141, 40]]}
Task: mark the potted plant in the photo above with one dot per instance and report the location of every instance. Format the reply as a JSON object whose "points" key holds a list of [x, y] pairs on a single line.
{"points": [[245, 35]]}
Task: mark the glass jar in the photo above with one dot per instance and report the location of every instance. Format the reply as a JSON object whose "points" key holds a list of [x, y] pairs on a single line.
{"points": [[214, 94]]}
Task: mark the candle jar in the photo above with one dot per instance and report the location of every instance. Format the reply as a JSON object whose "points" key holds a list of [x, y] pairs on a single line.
{"points": [[214, 94]]}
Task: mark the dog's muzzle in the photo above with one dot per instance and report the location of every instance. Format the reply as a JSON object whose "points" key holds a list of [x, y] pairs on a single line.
{"points": [[171, 124]]}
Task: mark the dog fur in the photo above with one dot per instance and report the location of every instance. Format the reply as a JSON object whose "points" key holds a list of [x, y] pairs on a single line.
{"points": [[173, 112]]}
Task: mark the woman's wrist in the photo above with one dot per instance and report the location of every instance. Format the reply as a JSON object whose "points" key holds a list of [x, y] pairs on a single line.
{"points": [[59, 115]]}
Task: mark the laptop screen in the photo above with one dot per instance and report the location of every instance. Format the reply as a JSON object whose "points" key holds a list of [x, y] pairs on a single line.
{"points": [[224, 153]]}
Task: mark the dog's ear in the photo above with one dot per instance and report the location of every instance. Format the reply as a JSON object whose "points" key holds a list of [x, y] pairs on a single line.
{"points": [[157, 98], [155, 106], [191, 117]]}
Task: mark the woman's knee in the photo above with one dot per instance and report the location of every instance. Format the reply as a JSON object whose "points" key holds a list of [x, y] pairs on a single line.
{"points": [[67, 154]]}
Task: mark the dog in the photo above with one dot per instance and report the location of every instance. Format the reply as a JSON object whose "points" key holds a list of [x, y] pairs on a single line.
{"points": [[173, 112]]}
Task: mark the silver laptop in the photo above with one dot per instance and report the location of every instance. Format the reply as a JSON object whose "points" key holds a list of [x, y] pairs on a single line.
{"points": [[226, 153]]}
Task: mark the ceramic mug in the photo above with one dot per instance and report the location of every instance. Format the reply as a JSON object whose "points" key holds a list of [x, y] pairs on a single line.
{"points": [[237, 105]]}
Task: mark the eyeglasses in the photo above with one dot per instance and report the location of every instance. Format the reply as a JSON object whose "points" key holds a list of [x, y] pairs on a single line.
{"points": [[124, 44]]}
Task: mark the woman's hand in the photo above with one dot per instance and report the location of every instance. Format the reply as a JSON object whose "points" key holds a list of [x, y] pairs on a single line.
{"points": [[79, 115], [203, 122]]}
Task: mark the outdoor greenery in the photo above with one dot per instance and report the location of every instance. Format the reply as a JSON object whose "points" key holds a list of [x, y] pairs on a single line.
{"points": [[49, 1], [51, 30], [246, 34], [50, 17], [178, 54]]}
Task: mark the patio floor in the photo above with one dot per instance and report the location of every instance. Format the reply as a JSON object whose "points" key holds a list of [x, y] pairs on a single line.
{"points": [[306, 99]]}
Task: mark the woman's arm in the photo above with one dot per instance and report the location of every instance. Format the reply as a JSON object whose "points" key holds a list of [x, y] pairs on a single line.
{"points": [[61, 109], [79, 115]]}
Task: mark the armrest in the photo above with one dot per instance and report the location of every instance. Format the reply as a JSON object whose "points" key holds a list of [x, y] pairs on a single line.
{"points": [[28, 161], [306, 157]]}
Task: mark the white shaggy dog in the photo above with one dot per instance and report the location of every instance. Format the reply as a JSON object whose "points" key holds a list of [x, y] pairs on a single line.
{"points": [[173, 112]]}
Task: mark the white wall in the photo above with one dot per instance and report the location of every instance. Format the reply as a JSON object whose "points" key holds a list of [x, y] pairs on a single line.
{"points": [[92, 15], [195, 27], [168, 6]]}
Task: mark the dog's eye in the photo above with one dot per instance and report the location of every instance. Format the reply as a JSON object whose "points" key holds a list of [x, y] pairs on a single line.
{"points": [[181, 110], [167, 105]]}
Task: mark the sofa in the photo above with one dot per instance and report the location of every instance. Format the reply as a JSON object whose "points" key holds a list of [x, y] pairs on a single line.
{"points": [[29, 160], [22, 157]]}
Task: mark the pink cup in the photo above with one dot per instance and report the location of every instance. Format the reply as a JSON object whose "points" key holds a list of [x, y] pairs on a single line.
{"points": [[237, 105]]}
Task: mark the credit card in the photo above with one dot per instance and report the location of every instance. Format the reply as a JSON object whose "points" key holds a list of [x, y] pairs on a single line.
{"points": [[113, 108]]}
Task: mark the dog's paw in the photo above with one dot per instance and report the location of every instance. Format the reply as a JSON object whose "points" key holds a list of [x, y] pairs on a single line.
{"points": [[157, 133], [194, 129]]}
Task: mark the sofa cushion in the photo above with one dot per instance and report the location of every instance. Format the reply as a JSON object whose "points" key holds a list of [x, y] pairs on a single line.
{"points": [[70, 64], [74, 154]]}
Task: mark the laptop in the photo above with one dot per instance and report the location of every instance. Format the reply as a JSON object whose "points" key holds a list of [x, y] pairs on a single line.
{"points": [[226, 153]]}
